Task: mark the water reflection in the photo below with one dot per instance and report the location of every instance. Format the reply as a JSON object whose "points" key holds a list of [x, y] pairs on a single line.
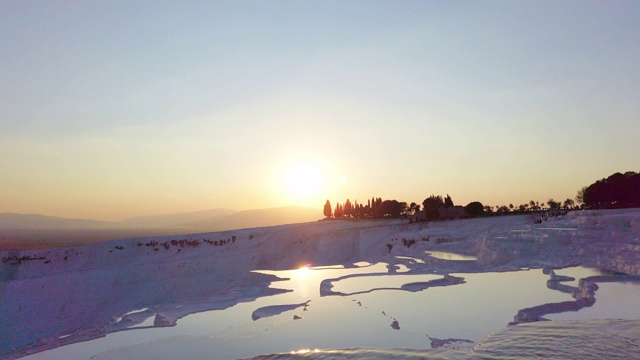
{"points": [[49, 312], [305, 351], [451, 256], [359, 284], [617, 297], [297, 316]]}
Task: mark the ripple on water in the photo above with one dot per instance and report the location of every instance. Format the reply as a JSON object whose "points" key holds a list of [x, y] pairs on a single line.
{"points": [[593, 339]]}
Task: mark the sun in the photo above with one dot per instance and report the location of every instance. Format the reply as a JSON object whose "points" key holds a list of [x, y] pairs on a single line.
{"points": [[303, 180]]}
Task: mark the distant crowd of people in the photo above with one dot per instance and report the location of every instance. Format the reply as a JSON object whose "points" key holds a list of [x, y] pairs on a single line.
{"points": [[180, 244], [539, 217]]}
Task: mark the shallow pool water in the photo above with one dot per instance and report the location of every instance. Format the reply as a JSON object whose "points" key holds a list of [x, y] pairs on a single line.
{"points": [[450, 256], [380, 313]]}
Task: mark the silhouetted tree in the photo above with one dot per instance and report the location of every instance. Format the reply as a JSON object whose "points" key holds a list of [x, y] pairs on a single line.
{"points": [[568, 204], [377, 212], [448, 202], [553, 204], [488, 209], [337, 213], [474, 209], [327, 209], [580, 195], [615, 192], [391, 208], [502, 210], [413, 208], [431, 205], [366, 211], [347, 209]]}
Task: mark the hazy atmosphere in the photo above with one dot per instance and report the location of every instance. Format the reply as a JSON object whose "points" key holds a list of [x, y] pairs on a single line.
{"points": [[118, 109]]}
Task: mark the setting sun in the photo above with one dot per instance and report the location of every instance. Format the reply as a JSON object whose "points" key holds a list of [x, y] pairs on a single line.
{"points": [[303, 180], [252, 180]]}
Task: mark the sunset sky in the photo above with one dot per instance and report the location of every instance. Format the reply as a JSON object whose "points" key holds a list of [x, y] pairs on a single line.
{"points": [[111, 109]]}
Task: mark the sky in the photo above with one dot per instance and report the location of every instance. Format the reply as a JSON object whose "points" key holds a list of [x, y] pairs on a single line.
{"points": [[113, 109]]}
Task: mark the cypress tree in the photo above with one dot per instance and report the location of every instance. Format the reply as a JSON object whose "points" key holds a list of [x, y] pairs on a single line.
{"points": [[327, 209]]}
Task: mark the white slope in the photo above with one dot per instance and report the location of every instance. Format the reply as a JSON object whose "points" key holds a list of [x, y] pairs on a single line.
{"points": [[52, 297]]}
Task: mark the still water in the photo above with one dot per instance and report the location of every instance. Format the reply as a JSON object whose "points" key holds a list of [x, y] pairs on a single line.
{"points": [[377, 312]]}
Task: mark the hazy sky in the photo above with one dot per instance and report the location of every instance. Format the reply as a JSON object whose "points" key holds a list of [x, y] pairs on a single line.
{"points": [[110, 109]]}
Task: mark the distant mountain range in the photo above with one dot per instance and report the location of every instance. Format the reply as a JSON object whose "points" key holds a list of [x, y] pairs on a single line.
{"points": [[37, 221], [174, 220], [34, 230], [206, 220], [257, 218]]}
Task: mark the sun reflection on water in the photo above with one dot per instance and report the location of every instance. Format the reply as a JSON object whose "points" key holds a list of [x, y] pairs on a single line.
{"points": [[305, 351], [303, 272], [303, 280]]}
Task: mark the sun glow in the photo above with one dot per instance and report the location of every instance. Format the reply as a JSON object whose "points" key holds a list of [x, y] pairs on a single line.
{"points": [[303, 180], [303, 272]]}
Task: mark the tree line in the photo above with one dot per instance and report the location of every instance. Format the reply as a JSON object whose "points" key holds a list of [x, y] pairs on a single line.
{"points": [[376, 208], [614, 192], [430, 208], [618, 191]]}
